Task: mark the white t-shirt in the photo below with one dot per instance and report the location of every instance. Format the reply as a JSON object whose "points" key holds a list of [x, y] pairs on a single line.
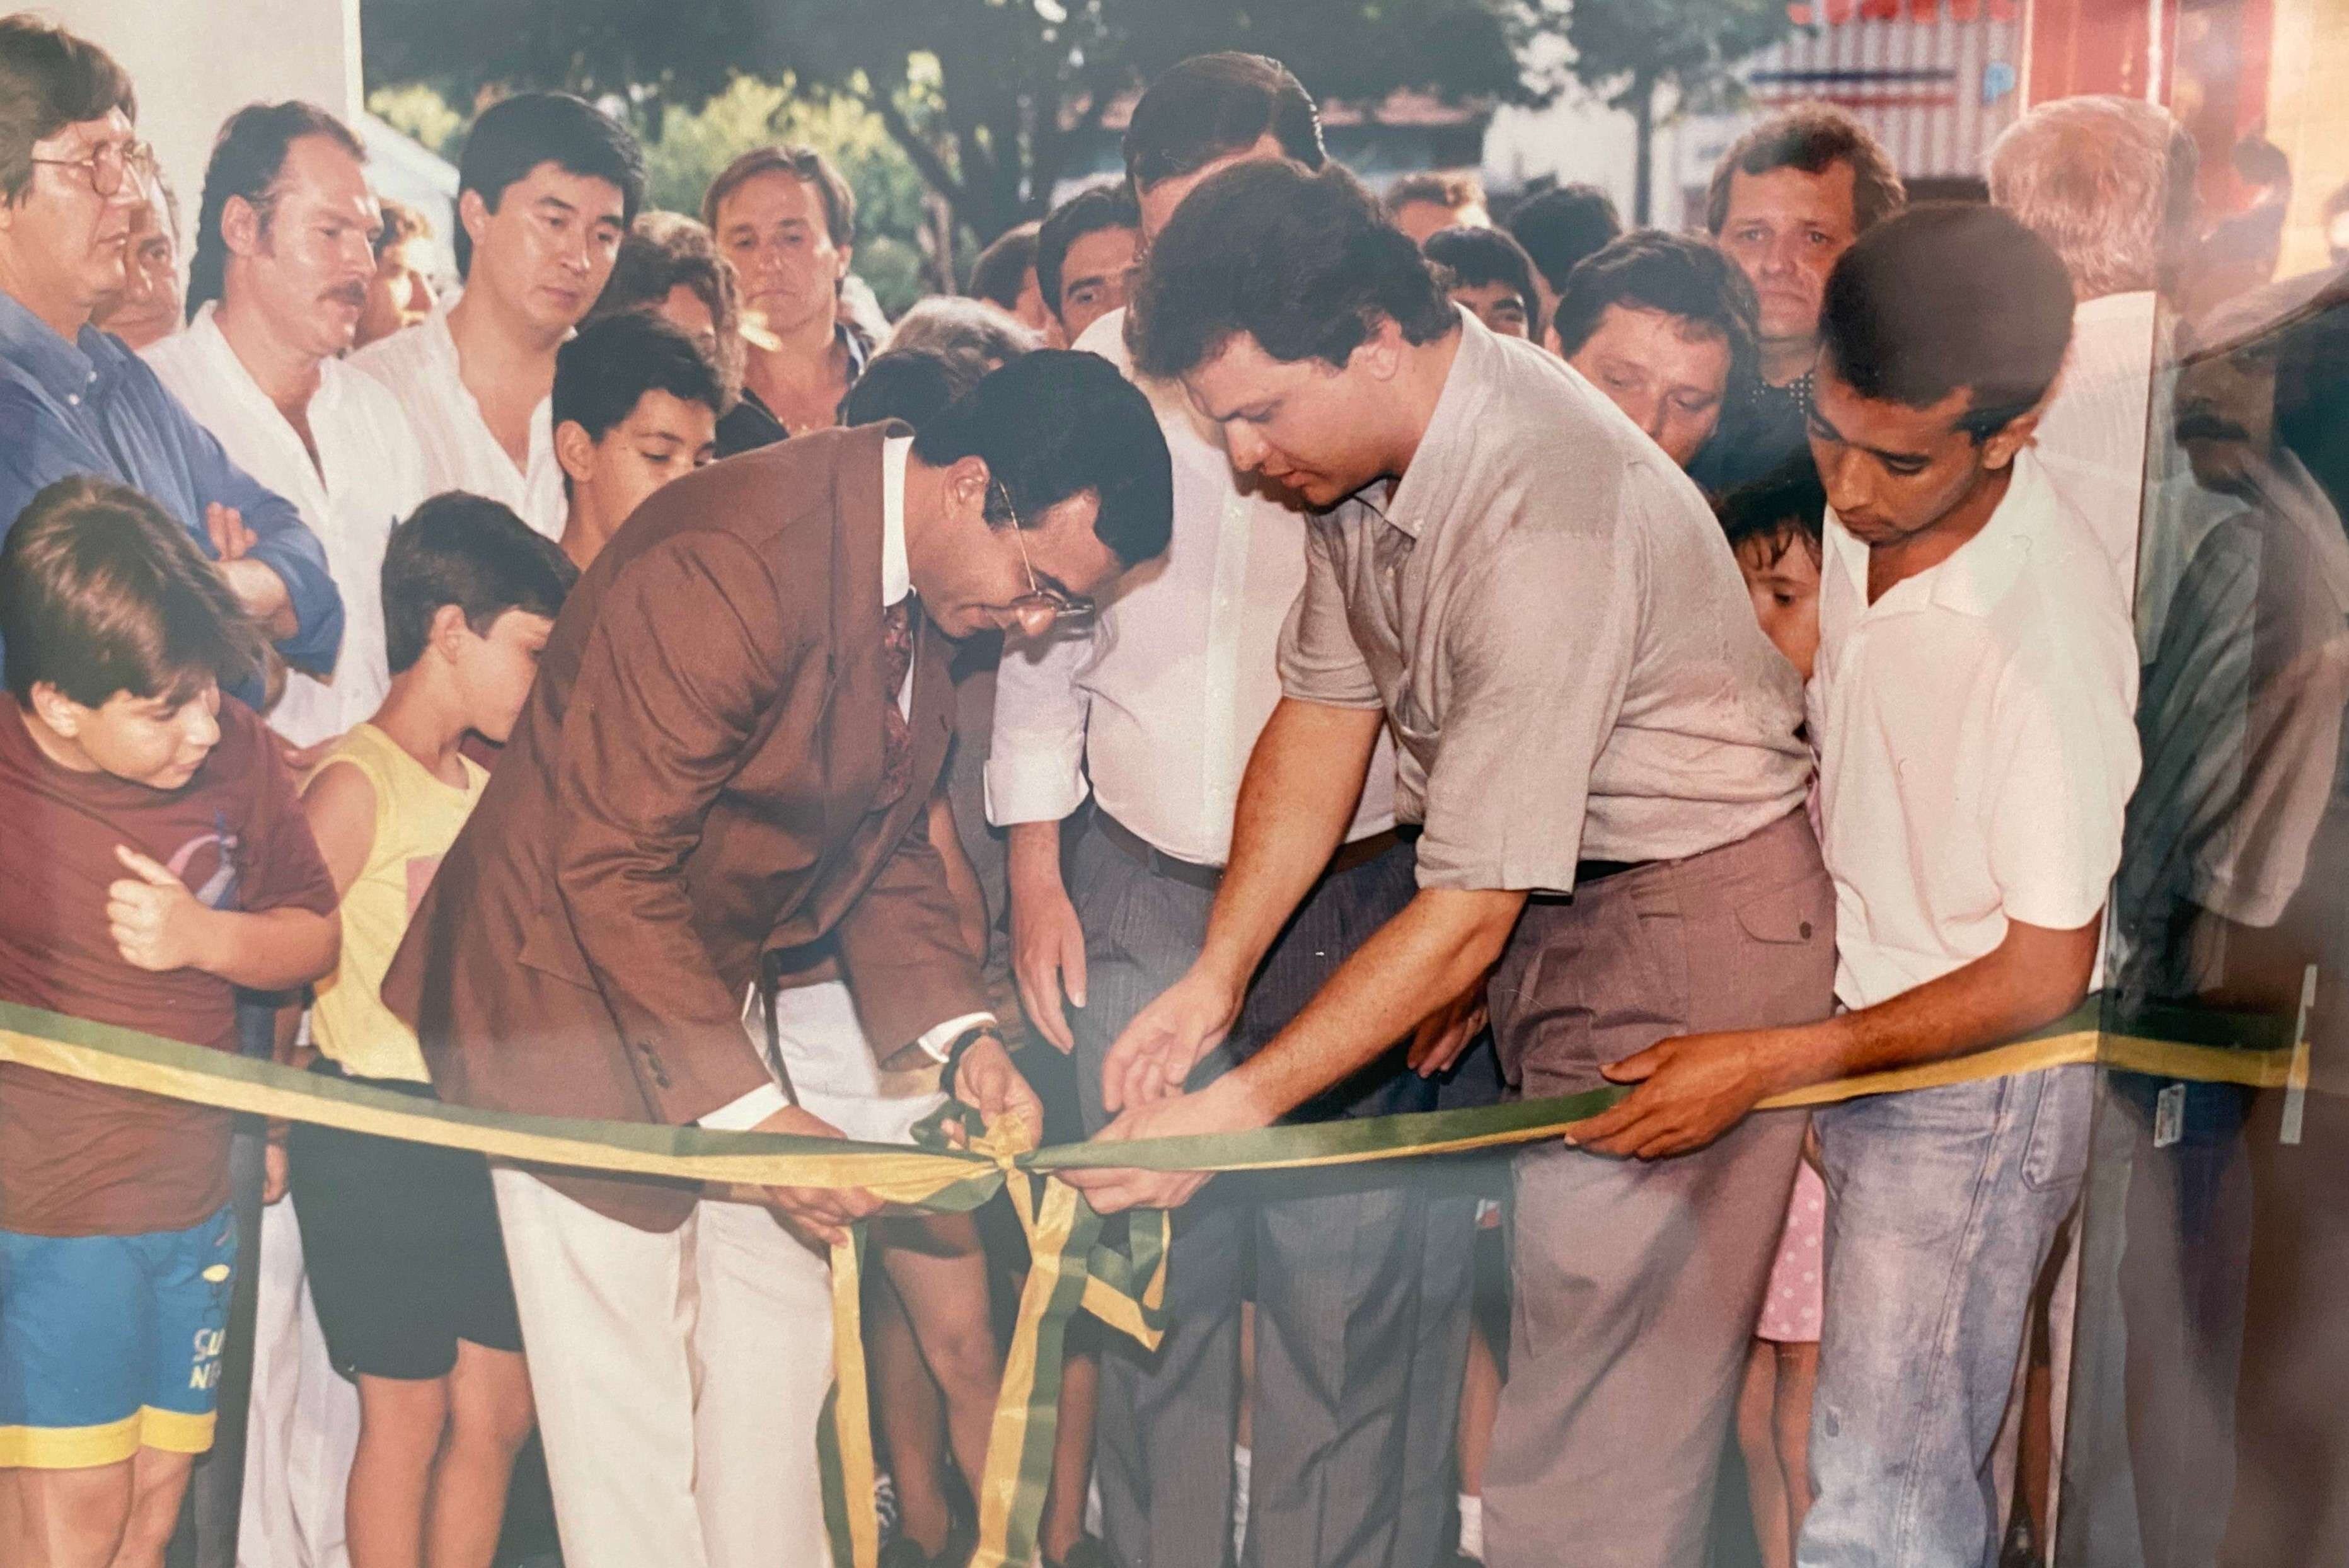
{"points": [[1977, 742]]}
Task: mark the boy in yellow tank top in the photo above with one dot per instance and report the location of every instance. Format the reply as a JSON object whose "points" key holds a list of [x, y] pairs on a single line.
{"points": [[407, 1264]]}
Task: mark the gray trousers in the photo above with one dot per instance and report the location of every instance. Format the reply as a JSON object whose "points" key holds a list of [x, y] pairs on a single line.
{"points": [[1360, 1283], [1636, 1284]]}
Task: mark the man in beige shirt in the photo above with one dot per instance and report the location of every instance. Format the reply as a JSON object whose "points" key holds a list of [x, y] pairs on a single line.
{"points": [[1601, 752]]}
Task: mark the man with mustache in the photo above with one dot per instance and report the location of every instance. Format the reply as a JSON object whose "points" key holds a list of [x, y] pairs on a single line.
{"points": [[284, 248], [546, 191], [73, 173], [1787, 199]]}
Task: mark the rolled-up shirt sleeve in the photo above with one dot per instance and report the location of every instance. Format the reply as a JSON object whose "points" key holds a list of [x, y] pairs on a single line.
{"points": [[1536, 655], [1319, 660], [1035, 760]]}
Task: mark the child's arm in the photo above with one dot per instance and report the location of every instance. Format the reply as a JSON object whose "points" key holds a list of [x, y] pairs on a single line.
{"points": [[159, 925], [339, 803]]}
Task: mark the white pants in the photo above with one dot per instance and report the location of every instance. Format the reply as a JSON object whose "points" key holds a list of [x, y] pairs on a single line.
{"points": [[679, 1378], [833, 1075], [302, 1425]]}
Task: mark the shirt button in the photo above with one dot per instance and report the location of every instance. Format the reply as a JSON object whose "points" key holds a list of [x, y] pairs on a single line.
{"points": [[74, 397]]}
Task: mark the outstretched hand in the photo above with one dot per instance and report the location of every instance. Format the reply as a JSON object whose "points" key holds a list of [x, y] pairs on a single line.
{"points": [[1153, 1057]]}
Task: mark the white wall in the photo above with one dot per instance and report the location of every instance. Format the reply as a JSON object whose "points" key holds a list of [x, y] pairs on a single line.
{"points": [[197, 61]]}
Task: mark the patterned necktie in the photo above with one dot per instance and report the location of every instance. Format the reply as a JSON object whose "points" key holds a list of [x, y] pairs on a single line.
{"points": [[896, 740]]}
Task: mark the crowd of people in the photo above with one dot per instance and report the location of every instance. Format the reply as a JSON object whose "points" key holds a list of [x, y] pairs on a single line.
{"points": [[1273, 653]]}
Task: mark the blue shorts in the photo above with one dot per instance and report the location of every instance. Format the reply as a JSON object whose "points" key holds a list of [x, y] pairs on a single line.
{"points": [[109, 1344]]}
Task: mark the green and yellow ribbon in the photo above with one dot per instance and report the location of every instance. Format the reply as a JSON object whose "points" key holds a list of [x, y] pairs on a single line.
{"points": [[1071, 1269]]}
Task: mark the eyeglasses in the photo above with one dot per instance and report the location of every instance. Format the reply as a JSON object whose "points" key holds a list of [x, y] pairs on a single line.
{"points": [[1064, 606], [110, 164]]}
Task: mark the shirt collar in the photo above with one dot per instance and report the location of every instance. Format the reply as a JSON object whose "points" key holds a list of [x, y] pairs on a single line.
{"points": [[897, 571], [64, 370], [1977, 577], [1429, 485]]}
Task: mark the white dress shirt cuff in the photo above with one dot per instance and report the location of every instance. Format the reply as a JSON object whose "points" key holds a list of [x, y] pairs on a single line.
{"points": [[1042, 783], [935, 1041], [742, 1115]]}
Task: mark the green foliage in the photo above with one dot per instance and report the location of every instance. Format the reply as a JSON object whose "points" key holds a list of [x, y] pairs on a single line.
{"points": [[1631, 52], [690, 146], [988, 100], [1623, 47], [419, 113]]}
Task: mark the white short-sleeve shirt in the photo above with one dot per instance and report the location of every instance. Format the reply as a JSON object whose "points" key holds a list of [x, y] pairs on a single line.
{"points": [[419, 365], [1977, 742]]}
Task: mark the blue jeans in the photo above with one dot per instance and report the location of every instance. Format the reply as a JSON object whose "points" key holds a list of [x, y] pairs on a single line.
{"points": [[1942, 1205]]}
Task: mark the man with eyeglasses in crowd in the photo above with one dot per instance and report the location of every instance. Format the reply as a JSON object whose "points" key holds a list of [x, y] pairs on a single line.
{"points": [[73, 400], [674, 821]]}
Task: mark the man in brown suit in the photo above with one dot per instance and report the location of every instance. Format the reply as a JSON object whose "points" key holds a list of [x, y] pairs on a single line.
{"points": [[723, 772]]}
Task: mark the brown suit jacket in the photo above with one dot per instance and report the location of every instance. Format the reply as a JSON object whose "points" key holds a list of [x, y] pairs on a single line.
{"points": [[692, 783]]}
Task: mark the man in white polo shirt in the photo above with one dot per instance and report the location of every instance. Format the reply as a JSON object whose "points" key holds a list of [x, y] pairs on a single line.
{"points": [[547, 189], [1973, 706]]}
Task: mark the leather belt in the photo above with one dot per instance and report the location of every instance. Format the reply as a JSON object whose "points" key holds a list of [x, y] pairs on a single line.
{"points": [[1589, 871], [1191, 873]]}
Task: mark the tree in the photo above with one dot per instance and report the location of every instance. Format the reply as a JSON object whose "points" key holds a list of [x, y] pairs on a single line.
{"points": [[1631, 51], [989, 99]]}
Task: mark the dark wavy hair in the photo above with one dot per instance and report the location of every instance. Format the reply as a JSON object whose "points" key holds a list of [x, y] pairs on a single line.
{"points": [[1944, 296], [1306, 265], [1055, 424], [1811, 138], [248, 156], [516, 135], [1674, 274]]}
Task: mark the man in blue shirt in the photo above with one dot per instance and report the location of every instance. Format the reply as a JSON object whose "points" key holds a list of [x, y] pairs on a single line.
{"points": [[74, 400]]}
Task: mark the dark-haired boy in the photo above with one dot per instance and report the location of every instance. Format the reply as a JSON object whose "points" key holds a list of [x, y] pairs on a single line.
{"points": [[636, 406], [1491, 275], [545, 191], [405, 1262], [159, 862], [1085, 255], [1973, 708], [1538, 605]]}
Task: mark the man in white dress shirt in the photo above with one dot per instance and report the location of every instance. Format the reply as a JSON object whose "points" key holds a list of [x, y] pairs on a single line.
{"points": [[279, 277], [546, 191], [1359, 1285], [2110, 182]]}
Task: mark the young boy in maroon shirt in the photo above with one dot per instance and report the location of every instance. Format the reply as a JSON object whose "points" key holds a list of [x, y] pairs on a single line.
{"points": [[156, 857]]}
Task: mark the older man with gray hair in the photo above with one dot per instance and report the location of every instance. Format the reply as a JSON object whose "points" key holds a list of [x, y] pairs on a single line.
{"points": [[2110, 182]]}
